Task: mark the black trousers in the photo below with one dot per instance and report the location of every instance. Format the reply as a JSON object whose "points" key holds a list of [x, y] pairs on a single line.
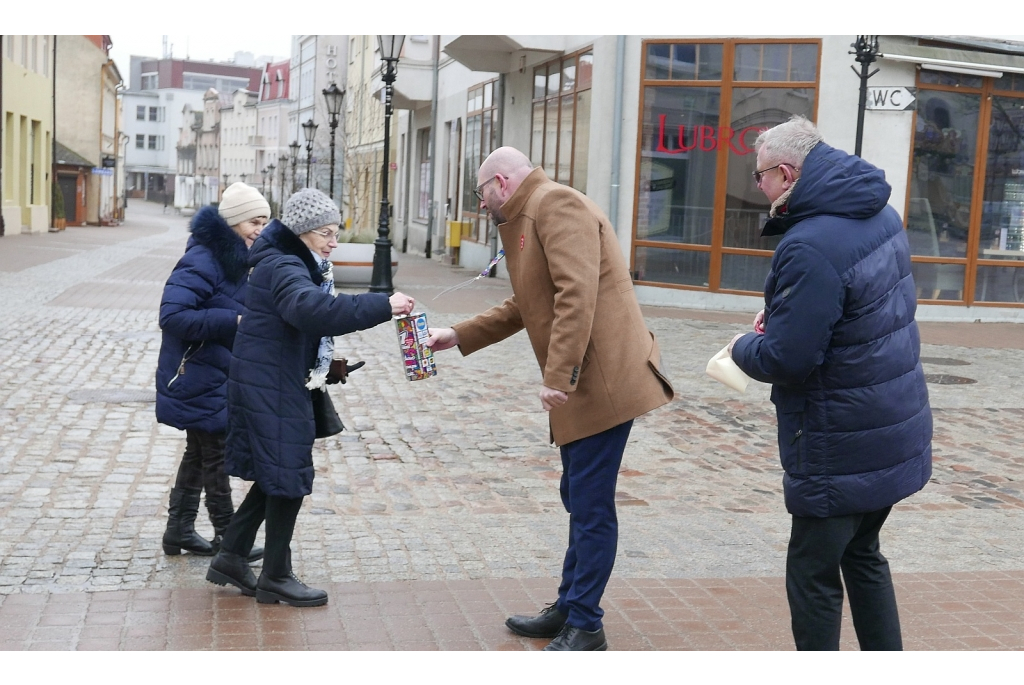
{"points": [[818, 549], [202, 464], [280, 514]]}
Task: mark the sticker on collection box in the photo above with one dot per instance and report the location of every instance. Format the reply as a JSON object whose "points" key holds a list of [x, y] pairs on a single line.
{"points": [[417, 358]]}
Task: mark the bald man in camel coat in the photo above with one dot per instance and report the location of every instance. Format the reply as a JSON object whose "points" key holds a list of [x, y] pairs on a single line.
{"points": [[601, 367]]}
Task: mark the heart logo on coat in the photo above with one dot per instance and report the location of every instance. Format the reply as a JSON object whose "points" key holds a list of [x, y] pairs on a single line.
{"points": [[522, 241]]}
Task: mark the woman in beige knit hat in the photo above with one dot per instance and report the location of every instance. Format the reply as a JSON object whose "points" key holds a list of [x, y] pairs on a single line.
{"points": [[199, 314]]}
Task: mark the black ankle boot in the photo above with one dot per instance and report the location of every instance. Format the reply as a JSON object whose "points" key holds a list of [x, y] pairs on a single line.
{"points": [[181, 519], [289, 590], [227, 568], [221, 510]]}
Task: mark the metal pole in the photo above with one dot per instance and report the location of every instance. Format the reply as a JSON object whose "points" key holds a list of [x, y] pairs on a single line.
{"points": [[280, 200], [309, 162], [334, 126], [380, 281], [433, 149]]}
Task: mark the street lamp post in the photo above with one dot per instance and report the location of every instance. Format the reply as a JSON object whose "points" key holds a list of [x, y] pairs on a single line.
{"points": [[225, 186], [284, 172], [866, 50], [334, 97], [309, 131], [269, 171], [197, 128], [294, 147], [380, 281]]}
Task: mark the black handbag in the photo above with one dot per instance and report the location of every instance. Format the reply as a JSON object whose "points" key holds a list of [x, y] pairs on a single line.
{"points": [[327, 421]]}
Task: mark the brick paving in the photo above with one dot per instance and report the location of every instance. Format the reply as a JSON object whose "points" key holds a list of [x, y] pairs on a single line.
{"points": [[436, 513]]}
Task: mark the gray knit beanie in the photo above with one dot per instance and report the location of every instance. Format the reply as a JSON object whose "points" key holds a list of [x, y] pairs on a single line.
{"points": [[308, 210]]}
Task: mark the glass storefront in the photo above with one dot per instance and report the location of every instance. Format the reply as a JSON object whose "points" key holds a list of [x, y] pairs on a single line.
{"points": [[698, 213], [965, 205]]}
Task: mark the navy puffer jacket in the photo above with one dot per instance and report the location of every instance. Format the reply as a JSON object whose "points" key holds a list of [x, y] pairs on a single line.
{"points": [[841, 347], [198, 319], [270, 411]]}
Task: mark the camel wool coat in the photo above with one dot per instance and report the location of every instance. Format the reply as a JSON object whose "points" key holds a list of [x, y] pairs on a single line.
{"points": [[573, 293]]}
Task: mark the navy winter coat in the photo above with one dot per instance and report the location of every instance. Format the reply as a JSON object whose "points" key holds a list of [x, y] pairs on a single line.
{"points": [[198, 316], [841, 347], [270, 412]]}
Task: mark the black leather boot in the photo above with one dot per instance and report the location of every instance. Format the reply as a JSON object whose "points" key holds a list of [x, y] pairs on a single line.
{"points": [[546, 624], [221, 510], [227, 568], [181, 519], [289, 590]]}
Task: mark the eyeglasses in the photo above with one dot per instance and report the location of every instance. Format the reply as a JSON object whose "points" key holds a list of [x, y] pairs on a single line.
{"points": [[758, 174], [479, 190], [336, 235]]}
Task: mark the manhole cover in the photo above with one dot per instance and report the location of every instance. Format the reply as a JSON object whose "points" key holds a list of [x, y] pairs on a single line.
{"points": [[112, 396], [944, 361], [946, 379]]}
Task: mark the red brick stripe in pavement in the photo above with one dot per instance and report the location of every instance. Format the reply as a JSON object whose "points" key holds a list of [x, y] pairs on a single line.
{"points": [[955, 611]]}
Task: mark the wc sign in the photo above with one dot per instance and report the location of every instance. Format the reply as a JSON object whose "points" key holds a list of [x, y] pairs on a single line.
{"points": [[891, 98]]}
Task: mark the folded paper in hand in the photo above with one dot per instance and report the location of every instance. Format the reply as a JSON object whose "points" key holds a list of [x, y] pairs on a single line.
{"points": [[723, 369]]}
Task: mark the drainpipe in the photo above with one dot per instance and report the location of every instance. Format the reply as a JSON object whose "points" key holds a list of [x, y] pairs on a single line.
{"points": [[500, 99], [53, 136], [433, 149], [409, 130], [620, 58], [3, 120]]}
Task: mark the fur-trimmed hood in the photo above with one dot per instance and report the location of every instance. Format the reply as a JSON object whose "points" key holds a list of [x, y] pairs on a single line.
{"points": [[228, 248]]}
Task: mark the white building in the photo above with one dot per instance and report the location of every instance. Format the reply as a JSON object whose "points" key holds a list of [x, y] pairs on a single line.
{"points": [[237, 139], [316, 62], [152, 122]]}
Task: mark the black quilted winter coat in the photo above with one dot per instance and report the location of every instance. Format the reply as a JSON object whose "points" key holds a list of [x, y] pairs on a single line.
{"points": [[841, 346], [270, 412], [198, 318]]}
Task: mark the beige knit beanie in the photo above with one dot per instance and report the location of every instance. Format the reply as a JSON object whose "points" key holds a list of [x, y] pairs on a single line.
{"points": [[241, 203]]}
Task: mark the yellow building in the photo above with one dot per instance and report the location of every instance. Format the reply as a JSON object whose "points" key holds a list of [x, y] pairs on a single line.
{"points": [[87, 118], [26, 132]]}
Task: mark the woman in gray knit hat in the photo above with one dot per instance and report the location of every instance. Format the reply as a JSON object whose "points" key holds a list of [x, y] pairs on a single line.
{"points": [[279, 371]]}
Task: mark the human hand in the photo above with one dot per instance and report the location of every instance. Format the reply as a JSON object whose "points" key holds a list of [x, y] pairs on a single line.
{"points": [[733, 341], [401, 304], [551, 398], [441, 338], [759, 322]]}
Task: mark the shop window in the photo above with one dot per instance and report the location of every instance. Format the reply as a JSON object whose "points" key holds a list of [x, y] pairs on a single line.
{"points": [[698, 214], [481, 140], [561, 108]]}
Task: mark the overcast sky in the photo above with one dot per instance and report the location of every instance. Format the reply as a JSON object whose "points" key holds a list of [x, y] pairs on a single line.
{"points": [[208, 46]]}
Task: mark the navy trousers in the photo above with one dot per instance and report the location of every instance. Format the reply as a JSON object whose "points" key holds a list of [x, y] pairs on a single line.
{"points": [[280, 514], [818, 549], [590, 467]]}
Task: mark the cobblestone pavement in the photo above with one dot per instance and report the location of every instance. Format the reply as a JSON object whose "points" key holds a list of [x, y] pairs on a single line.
{"points": [[448, 479]]}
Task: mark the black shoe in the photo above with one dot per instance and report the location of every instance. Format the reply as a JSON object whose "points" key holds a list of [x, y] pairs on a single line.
{"points": [[234, 569], [573, 639], [545, 624], [289, 590], [181, 518]]}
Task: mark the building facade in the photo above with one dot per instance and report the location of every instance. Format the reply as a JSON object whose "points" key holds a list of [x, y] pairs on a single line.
{"points": [[208, 157], [87, 104], [26, 132], [160, 90], [316, 62], [271, 143], [658, 130], [238, 139]]}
